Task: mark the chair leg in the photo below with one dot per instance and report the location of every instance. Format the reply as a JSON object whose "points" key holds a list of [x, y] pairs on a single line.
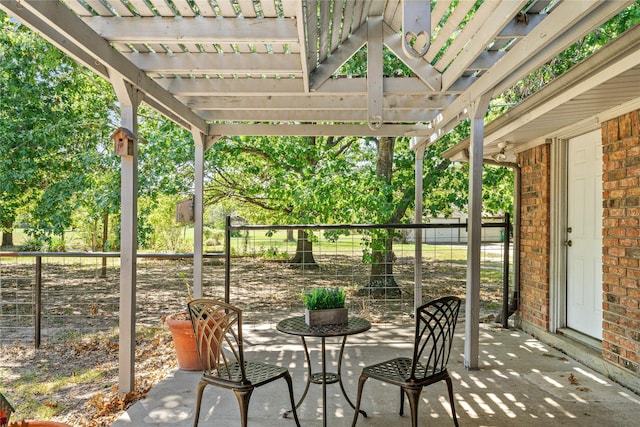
{"points": [[287, 378], [361, 382], [243, 397], [414, 399], [401, 402], [453, 408], [201, 386]]}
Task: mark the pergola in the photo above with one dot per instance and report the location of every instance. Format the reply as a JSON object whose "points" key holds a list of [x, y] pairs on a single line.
{"points": [[272, 67]]}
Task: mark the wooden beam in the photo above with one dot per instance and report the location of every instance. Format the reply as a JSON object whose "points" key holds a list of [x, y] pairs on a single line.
{"points": [[240, 64], [199, 140], [283, 129], [198, 29], [338, 57], [375, 115], [425, 71], [306, 62], [478, 110], [286, 86], [129, 99], [565, 23], [482, 34], [397, 102], [335, 116]]}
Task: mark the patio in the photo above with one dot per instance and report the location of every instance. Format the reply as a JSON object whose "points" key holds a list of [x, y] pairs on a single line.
{"points": [[520, 382]]}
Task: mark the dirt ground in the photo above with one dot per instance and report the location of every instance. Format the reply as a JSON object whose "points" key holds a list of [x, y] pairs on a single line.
{"points": [[74, 374]]}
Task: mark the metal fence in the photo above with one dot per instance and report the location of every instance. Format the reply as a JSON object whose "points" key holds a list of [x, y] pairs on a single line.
{"points": [[48, 297]]}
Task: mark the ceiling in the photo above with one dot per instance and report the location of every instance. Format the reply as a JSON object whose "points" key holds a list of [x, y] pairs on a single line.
{"points": [[274, 67]]}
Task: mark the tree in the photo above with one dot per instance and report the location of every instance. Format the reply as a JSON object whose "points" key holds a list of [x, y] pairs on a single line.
{"points": [[283, 180], [54, 119]]}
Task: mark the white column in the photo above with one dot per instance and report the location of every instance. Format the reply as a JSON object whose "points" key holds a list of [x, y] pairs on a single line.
{"points": [[417, 293], [375, 90], [129, 99], [202, 144], [477, 112], [198, 211]]}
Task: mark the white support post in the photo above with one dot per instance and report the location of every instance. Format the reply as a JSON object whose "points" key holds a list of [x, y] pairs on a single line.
{"points": [[477, 112], [417, 293], [198, 211], [129, 99], [202, 144], [375, 94]]}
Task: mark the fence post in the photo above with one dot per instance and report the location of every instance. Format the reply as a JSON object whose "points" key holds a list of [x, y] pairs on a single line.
{"points": [[505, 272], [38, 300], [227, 259]]}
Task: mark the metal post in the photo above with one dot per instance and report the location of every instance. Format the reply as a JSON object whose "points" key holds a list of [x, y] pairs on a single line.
{"points": [[505, 272], [227, 259], [38, 298]]}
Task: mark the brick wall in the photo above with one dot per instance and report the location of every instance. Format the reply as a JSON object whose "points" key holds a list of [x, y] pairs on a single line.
{"points": [[621, 241], [534, 235]]}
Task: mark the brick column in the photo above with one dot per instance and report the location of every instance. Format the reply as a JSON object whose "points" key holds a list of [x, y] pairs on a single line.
{"points": [[621, 241], [534, 235]]}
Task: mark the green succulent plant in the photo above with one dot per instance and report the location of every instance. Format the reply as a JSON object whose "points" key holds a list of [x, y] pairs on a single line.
{"points": [[324, 298]]}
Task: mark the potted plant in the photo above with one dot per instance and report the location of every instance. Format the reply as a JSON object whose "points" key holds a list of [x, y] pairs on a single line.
{"points": [[325, 306], [5, 413], [184, 339]]}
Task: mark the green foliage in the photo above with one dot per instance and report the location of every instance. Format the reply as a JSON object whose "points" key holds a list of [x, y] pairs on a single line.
{"points": [[56, 244], [31, 245], [165, 234], [324, 298], [54, 122], [573, 55]]}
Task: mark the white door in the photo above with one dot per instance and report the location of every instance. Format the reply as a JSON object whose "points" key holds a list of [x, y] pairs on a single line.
{"points": [[584, 235]]}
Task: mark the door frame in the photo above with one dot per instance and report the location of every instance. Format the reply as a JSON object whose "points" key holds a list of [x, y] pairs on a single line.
{"points": [[558, 234], [559, 158]]}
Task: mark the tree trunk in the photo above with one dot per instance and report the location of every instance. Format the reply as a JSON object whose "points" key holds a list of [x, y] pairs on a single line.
{"points": [[304, 252], [290, 237], [105, 233], [7, 236], [381, 280]]}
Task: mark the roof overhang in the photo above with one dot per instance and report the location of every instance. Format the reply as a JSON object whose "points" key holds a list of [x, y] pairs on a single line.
{"points": [[249, 67], [604, 86]]}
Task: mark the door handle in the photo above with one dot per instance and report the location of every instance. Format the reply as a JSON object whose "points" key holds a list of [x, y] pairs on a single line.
{"points": [[568, 243]]}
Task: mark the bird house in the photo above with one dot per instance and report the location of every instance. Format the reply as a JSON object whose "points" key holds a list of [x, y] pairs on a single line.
{"points": [[123, 140], [184, 211]]}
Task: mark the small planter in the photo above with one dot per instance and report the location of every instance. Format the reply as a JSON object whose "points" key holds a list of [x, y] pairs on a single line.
{"points": [[28, 423], [330, 316], [184, 341]]}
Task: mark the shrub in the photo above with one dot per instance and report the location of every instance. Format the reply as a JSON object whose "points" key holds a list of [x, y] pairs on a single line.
{"points": [[324, 298]]}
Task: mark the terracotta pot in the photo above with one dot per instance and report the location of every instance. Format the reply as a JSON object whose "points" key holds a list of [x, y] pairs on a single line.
{"points": [[185, 341], [28, 423]]}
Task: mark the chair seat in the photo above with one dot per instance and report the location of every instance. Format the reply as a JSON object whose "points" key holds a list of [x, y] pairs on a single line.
{"points": [[395, 371], [257, 373]]}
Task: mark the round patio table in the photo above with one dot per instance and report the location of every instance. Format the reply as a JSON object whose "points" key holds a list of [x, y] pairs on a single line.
{"points": [[297, 326]]}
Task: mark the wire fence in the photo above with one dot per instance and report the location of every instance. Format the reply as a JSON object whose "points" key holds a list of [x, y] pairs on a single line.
{"points": [[51, 297]]}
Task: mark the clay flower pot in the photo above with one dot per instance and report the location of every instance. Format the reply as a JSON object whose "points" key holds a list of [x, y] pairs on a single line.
{"points": [[185, 341], [28, 423]]}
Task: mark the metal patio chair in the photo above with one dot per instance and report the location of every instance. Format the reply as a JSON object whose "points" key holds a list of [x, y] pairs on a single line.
{"points": [[435, 326], [218, 331]]}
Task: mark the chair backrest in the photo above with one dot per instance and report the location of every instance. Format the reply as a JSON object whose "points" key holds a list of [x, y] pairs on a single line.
{"points": [[218, 330], [435, 326]]}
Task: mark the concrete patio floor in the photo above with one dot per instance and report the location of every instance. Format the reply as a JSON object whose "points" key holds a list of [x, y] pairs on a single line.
{"points": [[520, 382]]}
